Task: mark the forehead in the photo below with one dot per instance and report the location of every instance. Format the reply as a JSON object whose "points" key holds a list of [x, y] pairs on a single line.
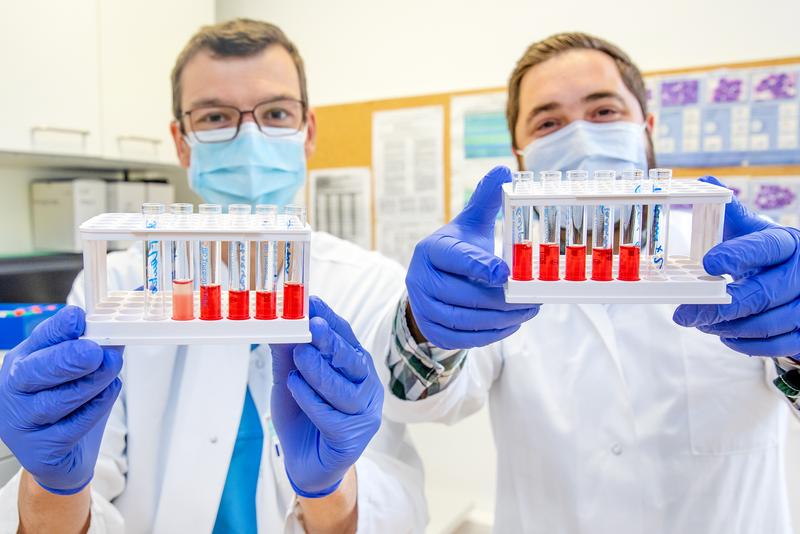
{"points": [[568, 77], [239, 81]]}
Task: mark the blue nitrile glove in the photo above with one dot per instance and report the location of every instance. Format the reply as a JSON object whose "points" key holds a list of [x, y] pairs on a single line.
{"points": [[763, 258], [455, 281], [56, 392], [326, 402]]}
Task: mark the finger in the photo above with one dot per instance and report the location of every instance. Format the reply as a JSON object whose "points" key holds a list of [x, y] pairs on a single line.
{"points": [[775, 347], [68, 323], [739, 220], [470, 319], [55, 365], [459, 291], [282, 362], [774, 322], [741, 255], [768, 289], [482, 207], [318, 308], [455, 256], [96, 411], [321, 414], [338, 391], [53, 404], [450, 339], [351, 361]]}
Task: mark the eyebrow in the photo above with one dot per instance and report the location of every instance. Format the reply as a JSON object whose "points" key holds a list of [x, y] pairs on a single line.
{"points": [[218, 102], [592, 97]]}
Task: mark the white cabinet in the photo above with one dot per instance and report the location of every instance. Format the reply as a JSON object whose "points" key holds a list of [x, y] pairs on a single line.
{"points": [[92, 77], [139, 42], [49, 80]]}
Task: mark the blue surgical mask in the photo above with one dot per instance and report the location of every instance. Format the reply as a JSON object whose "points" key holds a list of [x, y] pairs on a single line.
{"points": [[589, 146], [253, 168]]}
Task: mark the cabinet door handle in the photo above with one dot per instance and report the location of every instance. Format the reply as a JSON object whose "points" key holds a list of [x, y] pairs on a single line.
{"points": [[58, 129], [142, 138]]}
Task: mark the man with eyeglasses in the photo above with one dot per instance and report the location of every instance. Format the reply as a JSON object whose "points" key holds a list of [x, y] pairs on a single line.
{"points": [[220, 438]]}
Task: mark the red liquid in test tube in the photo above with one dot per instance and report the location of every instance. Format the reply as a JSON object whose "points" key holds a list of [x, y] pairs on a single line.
{"points": [[182, 300], [293, 301], [601, 264], [548, 261], [629, 263], [210, 303], [522, 258], [266, 307], [238, 305], [576, 263]]}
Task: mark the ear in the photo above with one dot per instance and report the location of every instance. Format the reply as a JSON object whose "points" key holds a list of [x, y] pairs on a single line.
{"points": [[182, 148], [311, 134]]}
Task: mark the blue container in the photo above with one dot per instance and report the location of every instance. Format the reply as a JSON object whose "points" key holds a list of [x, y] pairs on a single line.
{"points": [[17, 321]]}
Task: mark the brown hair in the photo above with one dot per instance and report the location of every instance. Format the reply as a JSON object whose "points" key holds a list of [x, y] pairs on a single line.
{"points": [[234, 38], [559, 43]]}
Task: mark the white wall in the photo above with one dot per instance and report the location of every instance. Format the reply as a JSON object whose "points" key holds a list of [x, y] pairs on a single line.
{"points": [[363, 50]]}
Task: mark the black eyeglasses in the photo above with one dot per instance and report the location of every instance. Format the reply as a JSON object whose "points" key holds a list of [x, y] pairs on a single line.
{"points": [[218, 123]]}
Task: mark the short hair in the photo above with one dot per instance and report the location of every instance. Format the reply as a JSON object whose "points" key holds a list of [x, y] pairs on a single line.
{"points": [[234, 38], [560, 43]]}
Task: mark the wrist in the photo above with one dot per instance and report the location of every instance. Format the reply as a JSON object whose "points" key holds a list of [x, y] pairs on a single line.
{"points": [[412, 325], [336, 512], [43, 511]]}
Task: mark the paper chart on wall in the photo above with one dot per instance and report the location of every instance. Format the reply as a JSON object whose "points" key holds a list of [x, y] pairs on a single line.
{"points": [[408, 164], [340, 203]]}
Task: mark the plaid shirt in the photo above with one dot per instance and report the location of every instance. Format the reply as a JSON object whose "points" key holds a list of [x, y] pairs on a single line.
{"points": [[419, 369]]}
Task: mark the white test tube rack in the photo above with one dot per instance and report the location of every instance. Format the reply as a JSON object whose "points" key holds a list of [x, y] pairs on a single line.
{"points": [[683, 279], [117, 317]]}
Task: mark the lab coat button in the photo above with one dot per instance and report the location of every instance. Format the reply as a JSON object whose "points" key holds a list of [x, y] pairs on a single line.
{"points": [[616, 449], [213, 439]]}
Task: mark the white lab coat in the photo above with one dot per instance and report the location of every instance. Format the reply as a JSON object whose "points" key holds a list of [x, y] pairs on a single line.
{"points": [[169, 439], [613, 419]]}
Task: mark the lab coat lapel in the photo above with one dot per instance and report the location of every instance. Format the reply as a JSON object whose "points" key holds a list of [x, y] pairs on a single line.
{"points": [[209, 405], [599, 318]]}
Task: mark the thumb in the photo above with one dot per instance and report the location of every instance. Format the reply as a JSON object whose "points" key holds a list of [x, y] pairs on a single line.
{"points": [[483, 205], [739, 220]]}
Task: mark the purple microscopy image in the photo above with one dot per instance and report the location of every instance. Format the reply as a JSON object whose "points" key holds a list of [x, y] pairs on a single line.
{"points": [[679, 93], [773, 196], [777, 86], [727, 90]]}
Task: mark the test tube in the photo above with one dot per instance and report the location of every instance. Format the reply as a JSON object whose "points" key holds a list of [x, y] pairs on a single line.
{"points": [[630, 230], [154, 308], [293, 292], [210, 301], [657, 224], [239, 267], [576, 233], [522, 252], [182, 266], [603, 231], [550, 243], [267, 271]]}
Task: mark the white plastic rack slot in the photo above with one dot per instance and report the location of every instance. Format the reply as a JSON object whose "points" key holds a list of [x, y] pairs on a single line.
{"points": [[682, 280], [117, 317]]}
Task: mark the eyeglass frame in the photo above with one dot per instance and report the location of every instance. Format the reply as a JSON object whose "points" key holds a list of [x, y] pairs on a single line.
{"points": [[242, 113]]}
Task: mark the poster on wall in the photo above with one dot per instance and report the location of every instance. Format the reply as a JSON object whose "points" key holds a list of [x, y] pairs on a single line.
{"points": [[727, 117], [479, 140], [340, 203], [408, 165]]}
